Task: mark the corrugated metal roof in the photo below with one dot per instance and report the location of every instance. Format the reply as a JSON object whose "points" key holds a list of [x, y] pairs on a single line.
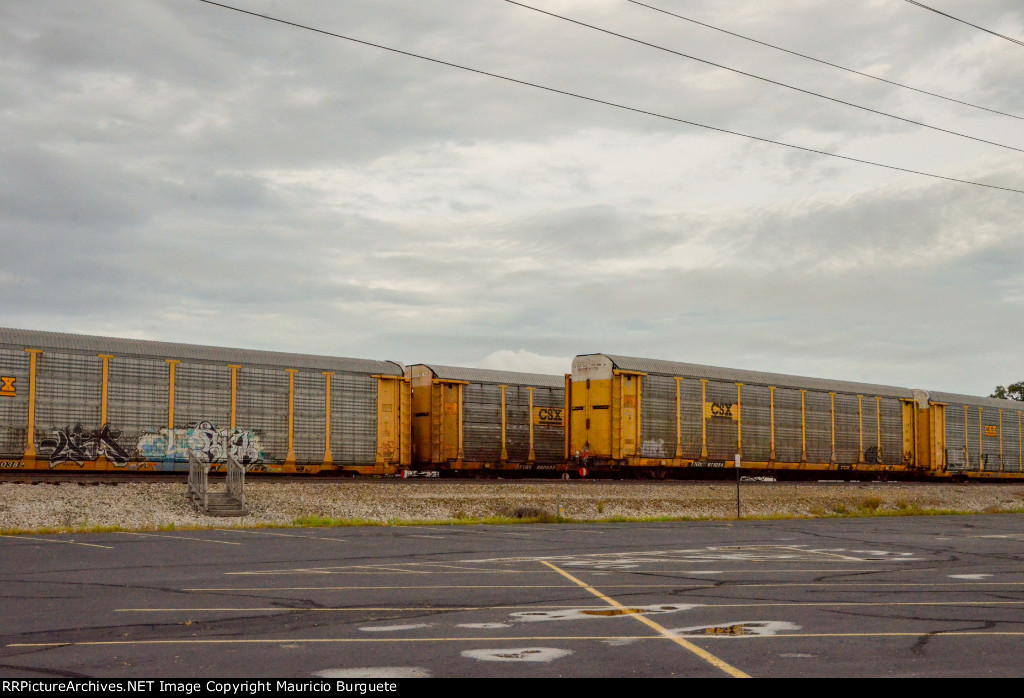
{"points": [[486, 375], [975, 400], [60, 341], [735, 375]]}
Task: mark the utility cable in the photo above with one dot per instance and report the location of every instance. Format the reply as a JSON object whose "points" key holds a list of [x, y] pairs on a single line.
{"points": [[616, 105], [762, 78], [987, 31], [824, 62]]}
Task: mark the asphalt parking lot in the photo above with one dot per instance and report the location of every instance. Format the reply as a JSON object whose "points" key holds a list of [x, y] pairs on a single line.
{"points": [[911, 596]]}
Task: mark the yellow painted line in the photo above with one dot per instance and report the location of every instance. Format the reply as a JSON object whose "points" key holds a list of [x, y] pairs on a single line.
{"points": [[547, 638], [66, 542], [157, 535], [283, 535], [703, 654]]}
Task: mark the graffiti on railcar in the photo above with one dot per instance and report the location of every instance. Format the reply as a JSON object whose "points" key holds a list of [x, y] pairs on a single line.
{"points": [[80, 445], [871, 455], [206, 441], [654, 448]]}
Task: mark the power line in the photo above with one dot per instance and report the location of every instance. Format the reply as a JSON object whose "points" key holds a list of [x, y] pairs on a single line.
{"points": [[762, 78], [824, 62], [987, 31], [616, 105]]}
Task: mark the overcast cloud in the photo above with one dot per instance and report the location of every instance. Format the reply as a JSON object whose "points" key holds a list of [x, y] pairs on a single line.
{"points": [[176, 171]]}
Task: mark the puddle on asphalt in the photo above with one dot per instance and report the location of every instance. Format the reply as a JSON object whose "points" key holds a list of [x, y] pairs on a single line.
{"points": [[483, 626], [737, 628], [393, 628], [582, 613], [519, 654]]}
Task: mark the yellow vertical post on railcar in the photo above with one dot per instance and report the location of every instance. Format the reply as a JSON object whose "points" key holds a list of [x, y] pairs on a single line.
{"points": [[860, 428], [504, 425], [104, 386], [878, 424], [909, 432], [832, 416], [679, 418], [171, 364], [771, 420], [30, 430], [394, 428], [937, 438], [405, 422], [703, 418], [531, 457], [289, 459], [567, 434], [803, 426], [739, 418], [967, 441], [1000, 441], [101, 460], [328, 456], [981, 439], [1020, 445], [232, 418]]}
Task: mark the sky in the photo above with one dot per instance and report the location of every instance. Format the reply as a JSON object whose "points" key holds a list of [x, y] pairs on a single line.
{"points": [[177, 171]]}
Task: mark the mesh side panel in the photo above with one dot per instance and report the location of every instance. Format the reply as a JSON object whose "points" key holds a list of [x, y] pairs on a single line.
{"points": [[481, 422], [756, 413], [202, 393], [990, 438], [819, 427], [691, 410], [310, 418], [262, 406], [67, 395], [956, 453], [549, 440], [517, 430], [14, 410], [722, 429], [870, 417], [658, 417], [847, 429], [787, 425], [136, 400], [892, 431], [1011, 443], [354, 418]]}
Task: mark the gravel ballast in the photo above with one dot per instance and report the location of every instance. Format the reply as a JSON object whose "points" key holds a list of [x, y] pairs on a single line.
{"points": [[69, 506]]}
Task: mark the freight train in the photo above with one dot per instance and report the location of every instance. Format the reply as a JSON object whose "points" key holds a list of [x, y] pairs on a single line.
{"points": [[75, 402]]}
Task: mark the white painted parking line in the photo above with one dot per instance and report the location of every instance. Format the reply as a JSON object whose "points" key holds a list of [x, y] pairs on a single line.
{"points": [[58, 540], [158, 535], [954, 586], [282, 535], [551, 638]]}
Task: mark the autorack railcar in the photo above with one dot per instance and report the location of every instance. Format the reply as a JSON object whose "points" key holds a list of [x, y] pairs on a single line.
{"points": [[482, 420], [655, 418], [71, 401]]}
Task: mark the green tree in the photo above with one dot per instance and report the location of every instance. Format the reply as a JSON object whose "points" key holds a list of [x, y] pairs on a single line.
{"points": [[1014, 391]]}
